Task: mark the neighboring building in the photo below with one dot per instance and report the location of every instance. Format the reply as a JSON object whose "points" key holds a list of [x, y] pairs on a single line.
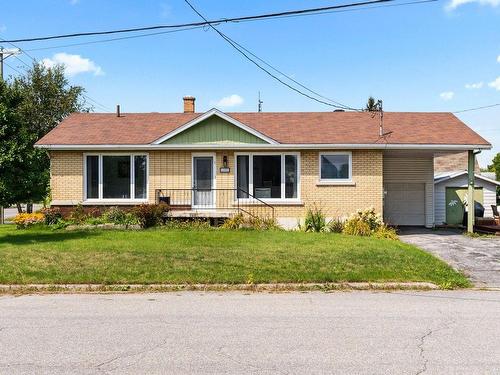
{"points": [[212, 163], [450, 194], [450, 185]]}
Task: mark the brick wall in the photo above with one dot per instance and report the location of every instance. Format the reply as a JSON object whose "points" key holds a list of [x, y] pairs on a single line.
{"points": [[66, 176], [172, 169]]}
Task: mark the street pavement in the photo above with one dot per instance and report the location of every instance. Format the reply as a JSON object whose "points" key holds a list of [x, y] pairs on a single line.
{"points": [[438, 332]]}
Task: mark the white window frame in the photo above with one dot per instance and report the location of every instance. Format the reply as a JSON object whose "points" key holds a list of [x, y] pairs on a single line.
{"points": [[250, 177], [132, 198], [334, 181]]}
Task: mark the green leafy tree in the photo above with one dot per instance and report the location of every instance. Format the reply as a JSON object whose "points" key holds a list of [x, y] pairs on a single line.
{"points": [[30, 106], [371, 105], [495, 167]]}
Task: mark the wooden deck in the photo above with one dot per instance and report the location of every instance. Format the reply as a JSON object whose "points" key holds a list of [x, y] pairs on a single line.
{"points": [[487, 229]]}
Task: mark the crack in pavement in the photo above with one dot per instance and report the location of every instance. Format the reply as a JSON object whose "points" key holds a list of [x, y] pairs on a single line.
{"points": [[129, 355], [430, 332]]}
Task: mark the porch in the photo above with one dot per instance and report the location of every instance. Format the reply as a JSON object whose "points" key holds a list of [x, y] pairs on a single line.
{"points": [[213, 203]]}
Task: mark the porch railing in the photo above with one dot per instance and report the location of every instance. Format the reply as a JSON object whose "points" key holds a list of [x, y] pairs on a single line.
{"points": [[218, 200]]}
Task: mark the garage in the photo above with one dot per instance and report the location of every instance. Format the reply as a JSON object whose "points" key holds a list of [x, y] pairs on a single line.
{"points": [[409, 188], [405, 203]]}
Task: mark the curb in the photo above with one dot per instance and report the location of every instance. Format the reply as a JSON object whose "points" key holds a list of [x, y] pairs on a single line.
{"points": [[278, 287]]}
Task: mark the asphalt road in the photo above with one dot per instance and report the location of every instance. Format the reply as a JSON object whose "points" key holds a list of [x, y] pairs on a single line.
{"points": [[236, 333]]}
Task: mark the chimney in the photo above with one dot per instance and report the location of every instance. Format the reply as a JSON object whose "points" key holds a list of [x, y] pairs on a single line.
{"points": [[189, 104]]}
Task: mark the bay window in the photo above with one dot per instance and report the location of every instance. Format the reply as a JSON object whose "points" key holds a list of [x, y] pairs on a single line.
{"points": [[115, 177], [335, 167], [268, 176]]}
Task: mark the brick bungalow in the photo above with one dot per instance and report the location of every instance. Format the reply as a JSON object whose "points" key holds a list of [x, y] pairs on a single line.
{"points": [[216, 163]]}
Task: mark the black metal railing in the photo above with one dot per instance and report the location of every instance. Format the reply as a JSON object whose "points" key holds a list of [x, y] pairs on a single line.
{"points": [[227, 200]]}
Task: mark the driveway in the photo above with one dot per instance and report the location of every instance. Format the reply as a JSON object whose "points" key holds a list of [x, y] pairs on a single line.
{"points": [[362, 333], [479, 258]]}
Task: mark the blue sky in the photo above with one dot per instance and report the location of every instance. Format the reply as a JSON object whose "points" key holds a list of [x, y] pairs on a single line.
{"points": [[442, 56]]}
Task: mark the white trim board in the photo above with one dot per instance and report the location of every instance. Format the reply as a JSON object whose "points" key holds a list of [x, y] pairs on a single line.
{"points": [[259, 146], [214, 112], [457, 174]]}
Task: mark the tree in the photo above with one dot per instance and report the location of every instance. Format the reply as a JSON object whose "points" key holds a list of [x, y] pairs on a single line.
{"points": [[495, 167], [371, 105], [31, 106]]}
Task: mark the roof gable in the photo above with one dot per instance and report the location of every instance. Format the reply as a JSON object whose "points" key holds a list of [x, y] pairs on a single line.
{"points": [[214, 127]]}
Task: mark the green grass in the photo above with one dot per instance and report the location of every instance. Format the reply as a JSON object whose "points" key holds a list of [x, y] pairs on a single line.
{"points": [[211, 256]]}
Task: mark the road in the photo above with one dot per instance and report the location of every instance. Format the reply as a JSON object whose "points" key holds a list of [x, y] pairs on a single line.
{"points": [[235, 333]]}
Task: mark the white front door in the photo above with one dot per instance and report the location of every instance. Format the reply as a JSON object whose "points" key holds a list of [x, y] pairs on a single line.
{"points": [[203, 182]]}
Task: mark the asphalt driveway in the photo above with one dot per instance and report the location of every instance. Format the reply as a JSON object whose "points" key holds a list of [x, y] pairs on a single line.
{"points": [[479, 258]]}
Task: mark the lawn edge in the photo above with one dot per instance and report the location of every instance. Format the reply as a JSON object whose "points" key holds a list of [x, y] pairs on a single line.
{"points": [[274, 287]]}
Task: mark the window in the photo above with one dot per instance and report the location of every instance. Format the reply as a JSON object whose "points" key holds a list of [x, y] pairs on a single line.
{"points": [[335, 167], [268, 176], [116, 177]]}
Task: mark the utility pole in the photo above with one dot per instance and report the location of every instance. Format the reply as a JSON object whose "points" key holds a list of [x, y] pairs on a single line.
{"points": [[259, 107], [4, 54]]}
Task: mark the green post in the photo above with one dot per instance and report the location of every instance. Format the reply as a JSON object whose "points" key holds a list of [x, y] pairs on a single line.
{"points": [[470, 194]]}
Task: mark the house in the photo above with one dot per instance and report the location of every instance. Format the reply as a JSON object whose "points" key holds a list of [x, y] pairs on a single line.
{"points": [[450, 188], [217, 163]]}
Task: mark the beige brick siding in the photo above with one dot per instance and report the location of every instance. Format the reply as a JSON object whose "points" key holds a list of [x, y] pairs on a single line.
{"points": [[172, 169], [66, 176]]}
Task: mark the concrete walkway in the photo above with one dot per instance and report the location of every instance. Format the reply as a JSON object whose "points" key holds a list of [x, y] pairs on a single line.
{"points": [[478, 258]]}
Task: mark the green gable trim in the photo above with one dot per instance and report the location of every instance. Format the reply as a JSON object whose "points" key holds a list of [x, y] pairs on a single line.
{"points": [[214, 130]]}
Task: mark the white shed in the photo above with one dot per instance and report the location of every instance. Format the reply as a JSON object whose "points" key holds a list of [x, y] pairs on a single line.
{"points": [[450, 191]]}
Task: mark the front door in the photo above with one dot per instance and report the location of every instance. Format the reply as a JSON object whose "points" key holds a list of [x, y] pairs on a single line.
{"points": [[203, 182]]}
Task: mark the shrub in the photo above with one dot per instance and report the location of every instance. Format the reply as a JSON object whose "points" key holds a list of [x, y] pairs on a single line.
{"points": [[25, 220], [315, 220], [150, 215], [336, 226], [52, 215], [370, 217], [386, 232], [114, 215], [77, 215], [240, 221], [355, 226], [188, 224]]}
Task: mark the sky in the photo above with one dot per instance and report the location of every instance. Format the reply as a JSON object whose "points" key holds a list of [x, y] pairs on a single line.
{"points": [[438, 56]]}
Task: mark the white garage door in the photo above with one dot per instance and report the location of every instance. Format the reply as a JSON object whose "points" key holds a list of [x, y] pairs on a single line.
{"points": [[404, 204]]}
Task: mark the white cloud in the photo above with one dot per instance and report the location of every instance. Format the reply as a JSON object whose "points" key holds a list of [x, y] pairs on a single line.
{"points": [[74, 2], [73, 64], [495, 84], [498, 59], [472, 86], [453, 4], [230, 101], [447, 95]]}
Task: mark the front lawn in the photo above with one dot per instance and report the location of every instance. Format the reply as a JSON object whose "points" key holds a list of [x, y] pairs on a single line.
{"points": [[211, 256]]}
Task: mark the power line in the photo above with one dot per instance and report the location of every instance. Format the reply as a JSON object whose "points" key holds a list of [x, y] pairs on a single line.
{"points": [[205, 23], [477, 108], [96, 103], [233, 44], [14, 69], [116, 39]]}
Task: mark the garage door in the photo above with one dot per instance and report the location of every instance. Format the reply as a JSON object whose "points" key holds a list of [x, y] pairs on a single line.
{"points": [[404, 204]]}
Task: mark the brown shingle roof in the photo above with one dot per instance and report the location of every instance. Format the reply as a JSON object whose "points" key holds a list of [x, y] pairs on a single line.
{"points": [[284, 127]]}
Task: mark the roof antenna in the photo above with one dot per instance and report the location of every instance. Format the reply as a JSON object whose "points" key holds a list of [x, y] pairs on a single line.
{"points": [[381, 114], [260, 104]]}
